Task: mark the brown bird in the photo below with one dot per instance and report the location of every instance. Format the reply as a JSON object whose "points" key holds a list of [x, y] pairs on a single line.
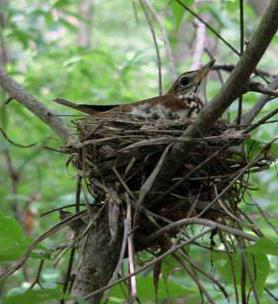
{"points": [[179, 102]]}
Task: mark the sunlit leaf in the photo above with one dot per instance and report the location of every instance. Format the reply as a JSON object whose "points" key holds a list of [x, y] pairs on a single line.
{"points": [[258, 265], [12, 238], [265, 246], [178, 11], [146, 290], [35, 296]]}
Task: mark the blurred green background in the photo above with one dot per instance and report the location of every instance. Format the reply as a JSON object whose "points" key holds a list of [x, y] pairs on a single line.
{"points": [[102, 52]]}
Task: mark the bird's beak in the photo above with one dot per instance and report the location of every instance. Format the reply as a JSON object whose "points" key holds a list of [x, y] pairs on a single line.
{"points": [[202, 73]]}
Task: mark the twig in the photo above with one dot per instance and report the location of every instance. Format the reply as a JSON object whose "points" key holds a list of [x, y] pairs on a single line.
{"points": [[199, 221], [229, 68], [251, 115], [259, 88], [58, 209], [208, 276], [208, 26], [195, 278], [265, 217], [38, 275], [185, 177], [246, 268], [271, 294], [39, 239], [160, 91], [227, 250], [72, 252], [164, 38], [68, 274], [148, 184], [260, 121], [12, 142]]}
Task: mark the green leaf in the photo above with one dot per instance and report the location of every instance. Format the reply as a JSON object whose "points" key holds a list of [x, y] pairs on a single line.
{"points": [[253, 147], [13, 239], [264, 246], [178, 11], [35, 296], [258, 265], [165, 289], [62, 3]]}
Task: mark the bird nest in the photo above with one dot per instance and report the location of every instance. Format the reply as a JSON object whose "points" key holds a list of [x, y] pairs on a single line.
{"points": [[118, 155]]}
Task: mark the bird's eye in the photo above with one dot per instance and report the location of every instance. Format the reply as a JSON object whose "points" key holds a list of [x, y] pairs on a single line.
{"points": [[184, 81]]}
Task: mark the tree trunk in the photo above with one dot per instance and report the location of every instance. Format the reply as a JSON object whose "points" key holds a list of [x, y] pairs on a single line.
{"points": [[97, 260]]}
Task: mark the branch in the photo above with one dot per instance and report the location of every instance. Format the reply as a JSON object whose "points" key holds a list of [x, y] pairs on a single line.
{"points": [[165, 40], [232, 89], [16, 91], [199, 45], [259, 88], [199, 221], [250, 115], [142, 2]]}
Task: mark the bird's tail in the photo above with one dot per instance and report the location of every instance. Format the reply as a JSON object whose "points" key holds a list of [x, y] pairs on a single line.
{"points": [[89, 109]]}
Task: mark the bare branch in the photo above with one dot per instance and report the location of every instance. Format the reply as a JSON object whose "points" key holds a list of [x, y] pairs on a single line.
{"points": [[16, 91], [249, 116], [259, 88]]}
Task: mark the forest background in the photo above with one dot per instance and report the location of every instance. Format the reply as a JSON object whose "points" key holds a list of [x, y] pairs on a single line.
{"points": [[102, 52]]}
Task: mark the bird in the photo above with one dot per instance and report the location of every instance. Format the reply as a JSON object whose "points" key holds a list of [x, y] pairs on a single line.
{"points": [[181, 101]]}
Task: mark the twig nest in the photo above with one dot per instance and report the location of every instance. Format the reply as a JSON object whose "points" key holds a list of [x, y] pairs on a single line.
{"points": [[118, 154]]}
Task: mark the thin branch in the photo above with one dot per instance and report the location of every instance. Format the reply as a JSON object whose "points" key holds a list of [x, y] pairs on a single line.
{"points": [[241, 21], [250, 115], [16, 91], [14, 143], [199, 221], [194, 276], [229, 68], [205, 274], [39, 239], [38, 275], [227, 250], [155, 45], [165, 40], [208, 26], [259, 88]]}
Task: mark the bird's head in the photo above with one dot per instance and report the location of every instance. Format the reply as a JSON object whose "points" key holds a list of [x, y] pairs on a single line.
{"points": [[190, 81]]}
